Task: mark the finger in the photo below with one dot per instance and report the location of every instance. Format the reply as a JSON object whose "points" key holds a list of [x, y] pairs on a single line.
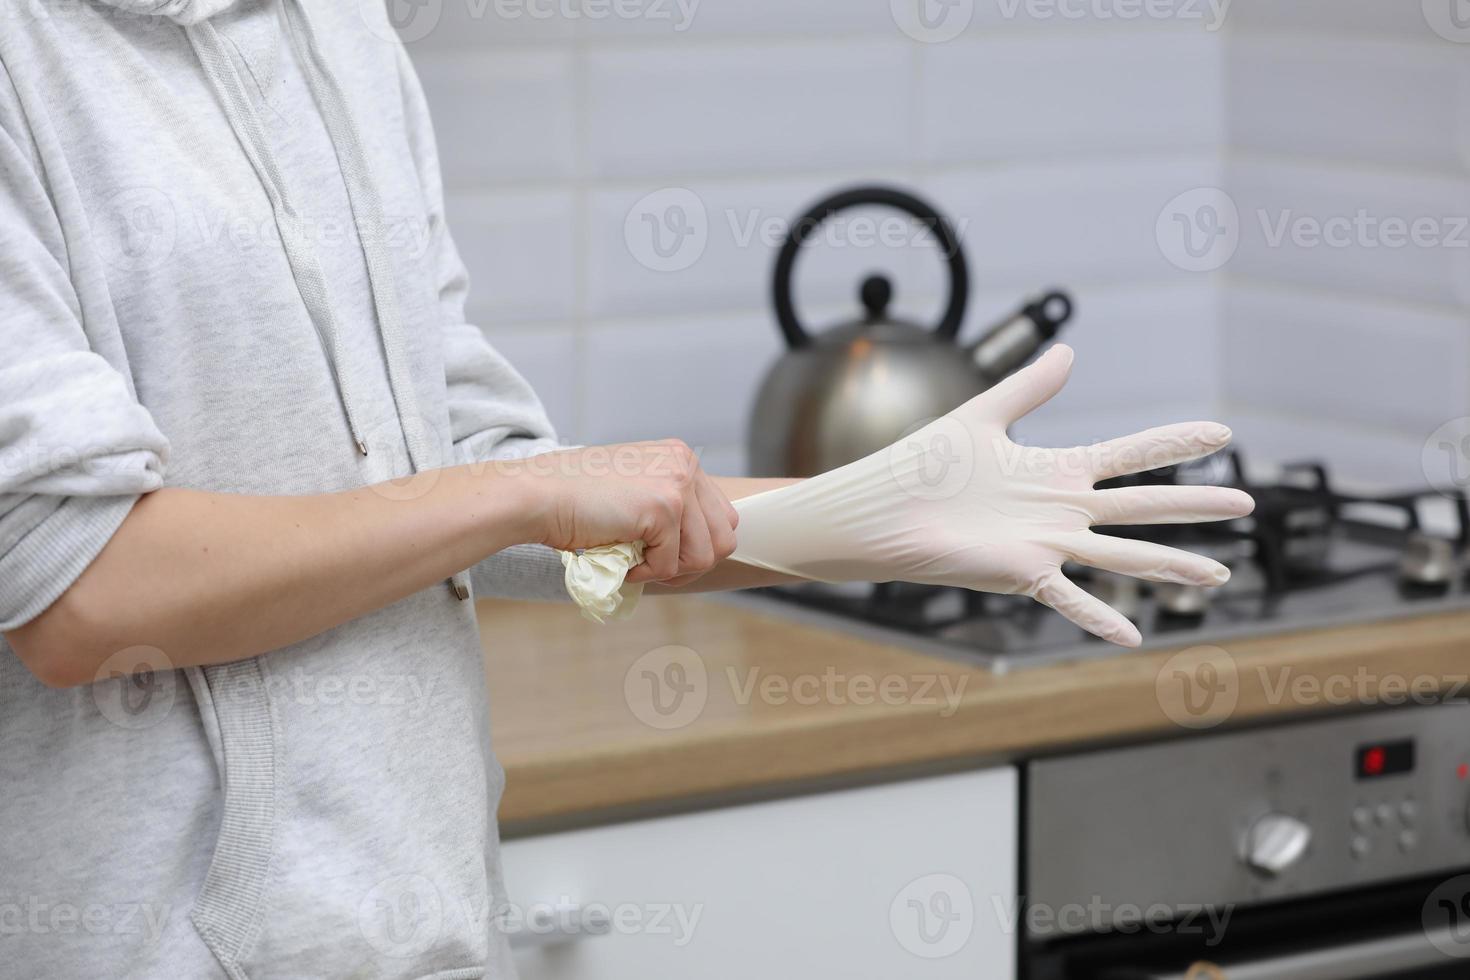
{"points": [[1032, 386], [1168, 505], [660, 548], [1168, 445], [1146, 560], [696, 553], [1088, 611], [719, 516]]}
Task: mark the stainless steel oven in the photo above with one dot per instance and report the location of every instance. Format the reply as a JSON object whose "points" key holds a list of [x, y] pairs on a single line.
{"points": [[1319, 850]]}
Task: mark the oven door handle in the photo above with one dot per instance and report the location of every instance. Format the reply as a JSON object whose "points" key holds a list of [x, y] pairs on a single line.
{"points": [[1384, 957]]}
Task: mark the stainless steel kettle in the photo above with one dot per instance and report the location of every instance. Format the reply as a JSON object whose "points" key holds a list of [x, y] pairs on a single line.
{"points": [[856, 388]]}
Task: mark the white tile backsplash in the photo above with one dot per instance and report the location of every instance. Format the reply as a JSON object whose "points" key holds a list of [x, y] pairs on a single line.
{"points": [[1020, 98], [1367, 364], [1403, 20], [1349, 99], [1397, 234], [722, 238], [520, 250], [1084, 222], [691, 378], [744, 108], [549, 356], [1054, 132], [502, 115]]}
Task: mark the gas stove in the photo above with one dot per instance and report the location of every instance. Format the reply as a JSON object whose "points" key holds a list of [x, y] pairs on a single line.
{"points": [[1311, 556]]}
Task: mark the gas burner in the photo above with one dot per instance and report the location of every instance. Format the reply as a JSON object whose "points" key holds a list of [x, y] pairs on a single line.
{"points": [[1428, 562], [1182, 601], [1123, 592], [1310, 556]]}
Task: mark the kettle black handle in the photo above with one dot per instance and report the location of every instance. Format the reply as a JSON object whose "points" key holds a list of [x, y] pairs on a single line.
{"points": [[959, 274]]}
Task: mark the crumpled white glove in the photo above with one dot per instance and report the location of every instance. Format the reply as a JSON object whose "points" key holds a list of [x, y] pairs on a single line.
{"points": [[594, 580], [958, 503]]}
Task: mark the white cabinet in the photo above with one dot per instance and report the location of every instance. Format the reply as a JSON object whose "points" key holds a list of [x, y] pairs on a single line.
{"points": [[914, 879]]}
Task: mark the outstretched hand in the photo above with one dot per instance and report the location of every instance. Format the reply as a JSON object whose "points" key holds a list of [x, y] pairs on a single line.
{"points": [[959, 503]]}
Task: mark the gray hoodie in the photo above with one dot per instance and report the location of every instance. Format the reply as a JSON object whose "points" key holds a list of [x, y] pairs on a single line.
{"points": [[224, 265]]}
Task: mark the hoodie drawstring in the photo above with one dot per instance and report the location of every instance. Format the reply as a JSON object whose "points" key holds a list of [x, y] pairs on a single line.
{"points": [[367, 216]]}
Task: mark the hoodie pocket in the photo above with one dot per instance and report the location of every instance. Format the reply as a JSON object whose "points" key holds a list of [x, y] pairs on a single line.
{"points": [[242, 729]]}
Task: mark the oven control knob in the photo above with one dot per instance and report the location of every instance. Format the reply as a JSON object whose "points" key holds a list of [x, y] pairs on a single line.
{"points": [[1275, 843]]}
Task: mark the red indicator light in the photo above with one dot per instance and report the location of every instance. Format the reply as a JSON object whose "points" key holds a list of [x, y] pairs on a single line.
{"points": [[1464, 770], [1373, 761]]}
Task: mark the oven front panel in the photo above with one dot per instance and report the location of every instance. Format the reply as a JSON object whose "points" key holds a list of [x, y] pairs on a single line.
{"points": [[1207, 824]]}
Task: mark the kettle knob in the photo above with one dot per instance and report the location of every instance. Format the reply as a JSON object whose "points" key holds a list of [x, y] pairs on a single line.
{"points": [[876, 293]]}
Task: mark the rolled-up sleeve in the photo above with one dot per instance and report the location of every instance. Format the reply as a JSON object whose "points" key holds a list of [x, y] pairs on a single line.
{"points": [[493, 411], [76, 448]]}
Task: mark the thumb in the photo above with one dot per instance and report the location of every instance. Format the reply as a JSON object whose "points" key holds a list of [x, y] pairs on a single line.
{"points": [[1031, 387]]}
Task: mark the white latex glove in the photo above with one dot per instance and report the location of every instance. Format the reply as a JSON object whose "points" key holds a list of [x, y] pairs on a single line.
{"points": [[958, 503], [594, 580]]}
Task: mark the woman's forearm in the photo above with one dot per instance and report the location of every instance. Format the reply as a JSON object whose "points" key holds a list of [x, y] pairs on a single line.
{"points": [[210, 578]]}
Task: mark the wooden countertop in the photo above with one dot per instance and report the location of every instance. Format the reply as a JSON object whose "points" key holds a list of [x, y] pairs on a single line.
{"points": [[782, 705]]}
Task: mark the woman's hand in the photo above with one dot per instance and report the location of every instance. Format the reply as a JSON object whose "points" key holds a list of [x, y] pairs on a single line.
{"points": [[959, 503], [654, 492]]}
